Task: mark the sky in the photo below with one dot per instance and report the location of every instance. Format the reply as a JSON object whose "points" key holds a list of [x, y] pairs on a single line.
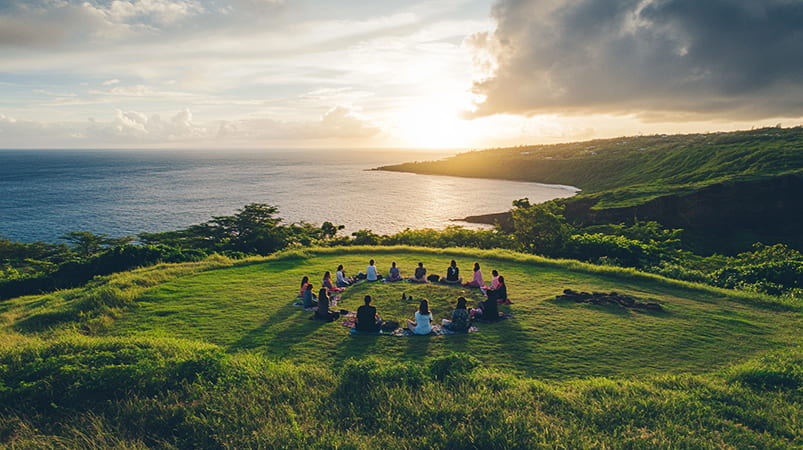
{"points": [[454, 74]]}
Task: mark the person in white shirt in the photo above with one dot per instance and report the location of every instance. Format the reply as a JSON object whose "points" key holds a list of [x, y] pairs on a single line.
{"points": [[371, 274], [423, 319], [341, 279]]}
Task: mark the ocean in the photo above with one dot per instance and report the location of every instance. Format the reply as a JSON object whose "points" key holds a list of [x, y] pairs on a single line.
{"points": [[46, 193]]}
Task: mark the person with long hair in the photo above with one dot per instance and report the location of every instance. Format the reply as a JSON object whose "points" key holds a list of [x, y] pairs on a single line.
{"points": [[460, 318], [304, 283], [327, 283], [342, 280], [499, 294], [323, 312], [423, 319], [476, 282], [309, 297]]}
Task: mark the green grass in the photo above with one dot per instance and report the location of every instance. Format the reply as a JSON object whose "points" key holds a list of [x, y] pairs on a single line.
{"points": [[250, 308], [213, 354], [628, 171]]}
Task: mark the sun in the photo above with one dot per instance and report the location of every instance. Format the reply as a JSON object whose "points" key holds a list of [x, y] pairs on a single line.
{"points": [[434, 124]]}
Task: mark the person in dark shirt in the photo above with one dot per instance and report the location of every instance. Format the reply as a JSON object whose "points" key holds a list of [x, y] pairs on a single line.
{"points": [[489, 310], [367, 319], [460, 318], [323, 312], [452, 274], [420, 274], [499, 294], [309, 297]]}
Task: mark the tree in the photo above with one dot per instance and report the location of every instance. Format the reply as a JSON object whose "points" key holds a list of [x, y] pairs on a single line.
{"points": [[539, 228], [329, 230], [86, 243]]}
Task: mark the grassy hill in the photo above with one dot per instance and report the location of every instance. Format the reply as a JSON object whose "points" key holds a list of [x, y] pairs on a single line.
{"points": [[728, 189], [632, 170], [213, 354]]}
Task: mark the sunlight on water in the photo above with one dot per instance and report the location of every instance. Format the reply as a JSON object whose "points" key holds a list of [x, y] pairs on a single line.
{"points": [[46, 194]]}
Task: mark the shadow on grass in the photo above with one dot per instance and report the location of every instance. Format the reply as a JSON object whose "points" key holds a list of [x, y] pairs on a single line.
{"points": [[278, 328], [609, 309], [45, 321]]}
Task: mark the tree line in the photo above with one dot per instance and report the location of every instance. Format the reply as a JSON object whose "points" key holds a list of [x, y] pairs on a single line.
{"points": [[256, 229]]}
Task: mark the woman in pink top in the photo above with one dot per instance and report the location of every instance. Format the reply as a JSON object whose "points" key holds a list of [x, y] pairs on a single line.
{"points": [[495, 280], [477, 281]]}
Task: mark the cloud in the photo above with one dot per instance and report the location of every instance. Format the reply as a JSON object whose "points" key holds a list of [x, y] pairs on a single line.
{"points": [[56, 23], [132, 127], [339, 123], [660, 58]]}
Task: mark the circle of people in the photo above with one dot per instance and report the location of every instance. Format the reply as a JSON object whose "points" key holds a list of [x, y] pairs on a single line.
{"points": [[369, 321]]}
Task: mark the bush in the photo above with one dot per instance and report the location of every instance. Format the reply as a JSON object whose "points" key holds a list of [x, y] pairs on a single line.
{"points": [[79, 372], [625, 252], [772, 278], [453, 365]]}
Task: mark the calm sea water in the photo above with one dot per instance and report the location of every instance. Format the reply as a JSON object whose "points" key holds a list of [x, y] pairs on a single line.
{"points": [[44, 194]]}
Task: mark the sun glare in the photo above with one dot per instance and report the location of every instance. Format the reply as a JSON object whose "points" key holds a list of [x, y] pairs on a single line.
{"points": [[433, 125]]}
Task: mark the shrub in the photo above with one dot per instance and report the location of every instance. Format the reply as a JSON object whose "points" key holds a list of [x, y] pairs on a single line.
{"points": [[453, 365]]}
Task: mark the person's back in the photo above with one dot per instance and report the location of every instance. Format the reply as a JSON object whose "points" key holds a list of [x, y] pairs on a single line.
{"points": [[309, 297], [490, 310], [323, 307], [420, 272], [366, 318], [371, 274], [460, 320], [423, 323], [323, 312]]}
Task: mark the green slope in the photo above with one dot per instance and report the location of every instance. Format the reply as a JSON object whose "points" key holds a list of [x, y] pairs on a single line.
{"points": [[214, 355], [248, 307], [638, 168]]}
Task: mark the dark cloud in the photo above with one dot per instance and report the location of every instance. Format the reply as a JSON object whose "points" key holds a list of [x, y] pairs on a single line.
{"points": [[713, 58]]}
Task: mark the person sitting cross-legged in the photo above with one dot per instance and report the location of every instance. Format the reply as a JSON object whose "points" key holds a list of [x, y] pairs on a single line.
{"points": [[461, 320], [367, 318], [420, 274], [452, 274], [394, 274], [423, 319], [323, 312], [499, 294]]}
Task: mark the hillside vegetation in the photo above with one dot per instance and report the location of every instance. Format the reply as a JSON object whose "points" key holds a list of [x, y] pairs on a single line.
{"points": [[214, 354], [636, 168], [727, 190]]}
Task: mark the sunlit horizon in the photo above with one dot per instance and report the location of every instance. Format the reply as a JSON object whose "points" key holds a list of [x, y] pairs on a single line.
{"points": [[452, 74]]}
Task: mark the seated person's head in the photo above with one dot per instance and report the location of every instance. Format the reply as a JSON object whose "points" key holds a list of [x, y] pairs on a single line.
{"points": [[461, 303], [367, 300]]}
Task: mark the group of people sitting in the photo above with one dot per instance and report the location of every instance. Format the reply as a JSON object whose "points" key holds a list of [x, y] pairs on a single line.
{"points": [[370, 322], [367, 318]]}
